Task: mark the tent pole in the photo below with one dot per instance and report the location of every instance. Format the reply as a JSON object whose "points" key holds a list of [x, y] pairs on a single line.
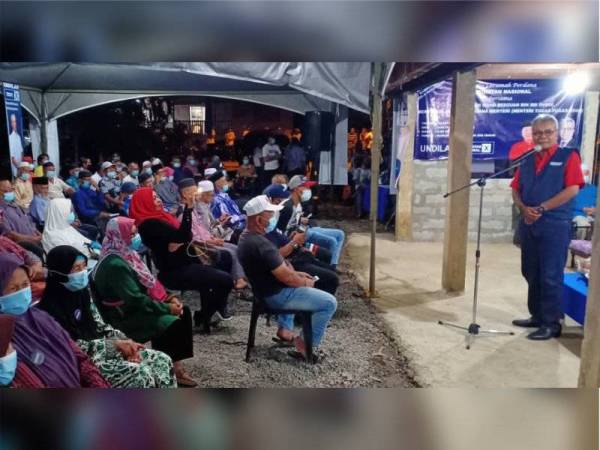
{"points": [[376, 83]]}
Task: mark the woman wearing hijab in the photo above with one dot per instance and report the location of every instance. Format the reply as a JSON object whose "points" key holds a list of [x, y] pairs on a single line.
{"points": [[123, 362], [58, 229], [35, 270], [134, 301], [38, 341], [179, 266]]}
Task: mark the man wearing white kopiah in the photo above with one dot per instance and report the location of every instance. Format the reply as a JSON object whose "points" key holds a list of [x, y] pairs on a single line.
{"points": [[14, 144]]}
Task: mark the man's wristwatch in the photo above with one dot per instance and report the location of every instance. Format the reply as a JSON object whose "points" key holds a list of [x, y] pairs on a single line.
{"points": [[295, 245], [541, 209]]}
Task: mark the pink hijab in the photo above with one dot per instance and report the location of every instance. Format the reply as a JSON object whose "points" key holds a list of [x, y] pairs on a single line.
{"points": [[117, 241]]}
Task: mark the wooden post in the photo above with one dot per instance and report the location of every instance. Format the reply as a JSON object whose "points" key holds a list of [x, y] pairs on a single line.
{"points": [[376, 82], [404, 197], [456, 230], [589, 370]]}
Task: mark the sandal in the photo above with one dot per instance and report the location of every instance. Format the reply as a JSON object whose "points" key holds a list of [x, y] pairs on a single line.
{"points": [[185, 381], [298, 355]]}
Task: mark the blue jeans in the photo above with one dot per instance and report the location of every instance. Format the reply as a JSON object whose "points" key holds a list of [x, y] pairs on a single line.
{"points": [[329, 238], [307, 299]]}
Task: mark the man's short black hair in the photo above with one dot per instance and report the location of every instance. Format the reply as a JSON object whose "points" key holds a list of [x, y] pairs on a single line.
{"points": [[48, 164]]}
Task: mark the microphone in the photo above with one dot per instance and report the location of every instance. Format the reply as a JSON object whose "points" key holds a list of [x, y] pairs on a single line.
{"points": [[536, 149]]}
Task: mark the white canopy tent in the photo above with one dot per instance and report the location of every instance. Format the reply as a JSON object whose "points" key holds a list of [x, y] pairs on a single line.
{"points": [[52, 90]]}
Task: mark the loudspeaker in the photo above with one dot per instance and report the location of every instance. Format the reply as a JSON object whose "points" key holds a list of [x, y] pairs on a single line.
{"points": [[319, 129]]}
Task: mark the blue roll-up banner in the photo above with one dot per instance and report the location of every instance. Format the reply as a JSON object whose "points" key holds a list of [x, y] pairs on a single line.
{"points": [[14, 121], [503, 108]]}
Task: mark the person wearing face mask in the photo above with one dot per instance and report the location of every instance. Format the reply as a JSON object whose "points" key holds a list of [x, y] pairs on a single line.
{"points": [[179, 172], [57, 188], [110, 187], [179, 266], [329, 238], [59, 228], [585, 205], [134, 301], [13, 373], [245, 181], [42, 159], [123, 362], [39, 341], [224, 208], [23, 186], [89, 203], [166, 189], [39, 205], [133, 174], [73, 176], [191, 166], [17, 225], [276, 282]]}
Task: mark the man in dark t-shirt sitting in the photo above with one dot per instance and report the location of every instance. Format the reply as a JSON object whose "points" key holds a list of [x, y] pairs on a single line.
{"points": [[275, 281]]}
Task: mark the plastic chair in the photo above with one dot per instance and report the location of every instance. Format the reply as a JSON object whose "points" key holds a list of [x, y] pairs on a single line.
{"points": [[260, 307]]}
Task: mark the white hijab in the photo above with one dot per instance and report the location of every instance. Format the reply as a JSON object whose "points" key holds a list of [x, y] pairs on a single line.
{"points": [[57, 230]]}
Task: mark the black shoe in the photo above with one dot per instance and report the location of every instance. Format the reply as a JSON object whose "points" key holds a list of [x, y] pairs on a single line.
{"points": [[223, 314], [200, 322], [544, 333], [526, 323]]}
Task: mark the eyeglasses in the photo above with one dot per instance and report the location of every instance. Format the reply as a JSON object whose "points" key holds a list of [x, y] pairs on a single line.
{"points": [[544, 133]]}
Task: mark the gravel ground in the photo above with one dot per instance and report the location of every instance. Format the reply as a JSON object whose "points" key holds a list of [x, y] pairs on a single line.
{"points": [[357, 350]]}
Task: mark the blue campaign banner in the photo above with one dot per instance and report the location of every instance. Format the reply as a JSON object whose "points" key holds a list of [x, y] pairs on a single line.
{"points": [[14, 121], [503, 110]]}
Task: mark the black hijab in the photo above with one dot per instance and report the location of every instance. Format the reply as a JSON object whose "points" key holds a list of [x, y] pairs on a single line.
{"points": [[70, 309]]}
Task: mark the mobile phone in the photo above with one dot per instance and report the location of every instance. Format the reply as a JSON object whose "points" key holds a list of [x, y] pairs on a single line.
{"points": [[316, 278]]}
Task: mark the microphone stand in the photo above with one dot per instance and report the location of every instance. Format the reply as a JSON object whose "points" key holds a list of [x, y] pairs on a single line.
{"points": [[474, 329]]}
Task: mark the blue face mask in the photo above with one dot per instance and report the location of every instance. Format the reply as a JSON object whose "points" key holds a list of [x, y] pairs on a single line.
{"points": [[225, 188], [9, 197], [272, 224], [51, 173], [111, 174], [16, 303], [246, 161], [306, 195], [86, 185], [135, 173], [71, 217], [177, 165], [77, 281], [136, 242], [24, 176], [8, 368], [192, 162], [148, 171]]}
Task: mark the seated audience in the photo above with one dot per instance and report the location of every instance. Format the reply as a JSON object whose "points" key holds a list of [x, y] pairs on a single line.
{"points": [[73, 178], [89, 203], [191, 165], [17, 225], [39, 204], [125, 195], [134, 301], [179, 266], [122, 362], [275, 281], [146, 180], [31, 263], [585, 203], [201, 226], [132, 176], [179, 172], [57, 188], [166, 189], [23, 186], [330, 238], [110, 187], [39, 341], [147, 167], [59, 228], [224, 208]]}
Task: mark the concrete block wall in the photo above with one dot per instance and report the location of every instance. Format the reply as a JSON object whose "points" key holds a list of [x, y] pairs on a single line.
{"points": [[429, 206]]}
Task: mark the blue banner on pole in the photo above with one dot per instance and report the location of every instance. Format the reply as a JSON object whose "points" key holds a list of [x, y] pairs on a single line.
{"points": [[503, 110], [14, 121]]}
